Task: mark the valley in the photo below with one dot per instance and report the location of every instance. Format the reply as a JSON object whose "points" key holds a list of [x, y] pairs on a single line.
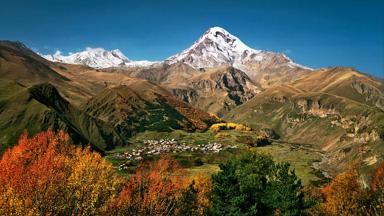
{"points": [[319, 120], [191, 108], [201, 153]]}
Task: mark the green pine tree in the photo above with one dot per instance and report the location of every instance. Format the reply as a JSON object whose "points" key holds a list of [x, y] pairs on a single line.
{"points": [[188, 201], [253, 184]]}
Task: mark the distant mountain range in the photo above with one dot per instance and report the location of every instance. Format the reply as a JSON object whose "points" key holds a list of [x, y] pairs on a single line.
{"points": [[216, 47], [103, 98], [97, 58]]}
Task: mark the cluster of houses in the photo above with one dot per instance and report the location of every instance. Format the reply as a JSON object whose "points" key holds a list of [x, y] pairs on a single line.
{"points": [[157, 147]]}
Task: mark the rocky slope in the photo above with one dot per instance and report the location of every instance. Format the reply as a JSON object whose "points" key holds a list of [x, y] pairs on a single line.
{"points": [[214, 90], [326, 110]]}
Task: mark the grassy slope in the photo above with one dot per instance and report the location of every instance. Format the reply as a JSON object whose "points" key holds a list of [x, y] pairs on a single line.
{"points": [[136, 109], [294, 112], [18, 112], [345, 82], [41, 107]]}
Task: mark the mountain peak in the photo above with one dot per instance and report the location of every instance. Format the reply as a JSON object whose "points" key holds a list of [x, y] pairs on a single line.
{"points": [[93, 57], [223, 37], [217, 47], [97, 58], [217, 30]]}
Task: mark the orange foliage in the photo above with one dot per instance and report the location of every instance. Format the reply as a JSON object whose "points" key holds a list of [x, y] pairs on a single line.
{"points": [[203, 185], [153, 190], [46, 174], [378, 178], [157, 188], [343, 196]]}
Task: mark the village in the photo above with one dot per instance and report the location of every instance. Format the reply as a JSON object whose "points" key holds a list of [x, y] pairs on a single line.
{"points": [[157, 147]]}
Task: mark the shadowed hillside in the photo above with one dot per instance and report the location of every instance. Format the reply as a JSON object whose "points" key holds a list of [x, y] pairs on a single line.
{"points": [[41, 107]]}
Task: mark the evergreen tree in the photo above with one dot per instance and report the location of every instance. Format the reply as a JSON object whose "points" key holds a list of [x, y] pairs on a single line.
{"points": [[188, 201], [253, 184]]}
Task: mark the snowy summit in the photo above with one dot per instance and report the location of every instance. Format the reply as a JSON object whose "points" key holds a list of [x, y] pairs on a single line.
{"points": [[97, 58], [217, 47]]}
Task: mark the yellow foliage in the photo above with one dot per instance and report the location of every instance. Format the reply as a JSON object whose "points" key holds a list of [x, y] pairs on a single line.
{"points": [[214, 116], [92, 181], [343, 195], [48, 175], [11, 204], [203, 186], [222, 135], [229, 126]]}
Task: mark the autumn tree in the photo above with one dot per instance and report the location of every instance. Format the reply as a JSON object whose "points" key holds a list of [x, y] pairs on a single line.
{"points": [[188, 201], [48, 175], [344, 195], [378, 178], [203, 186], [195, 199], [162, 187], [377, 190], [154, 189]]}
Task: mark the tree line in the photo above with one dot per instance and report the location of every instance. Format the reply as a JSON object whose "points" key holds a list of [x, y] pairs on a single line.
{"points": [[47, 175]]}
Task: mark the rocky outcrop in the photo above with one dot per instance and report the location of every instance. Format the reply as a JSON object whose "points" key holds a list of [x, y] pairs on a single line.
{"points": [[372, 95], [235, 83], [315, 108], [186, 95]]}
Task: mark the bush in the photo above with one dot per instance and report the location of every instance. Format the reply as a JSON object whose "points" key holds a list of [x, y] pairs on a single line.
{"points": [[198, 162], [229, 126], [262, 141]]}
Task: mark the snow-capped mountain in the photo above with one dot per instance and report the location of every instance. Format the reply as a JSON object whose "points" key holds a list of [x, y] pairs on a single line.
{"points": [[217, 47], [97, 58]]}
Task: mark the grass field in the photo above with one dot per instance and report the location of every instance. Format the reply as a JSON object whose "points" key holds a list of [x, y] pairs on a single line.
{"points": [[301, 157]]}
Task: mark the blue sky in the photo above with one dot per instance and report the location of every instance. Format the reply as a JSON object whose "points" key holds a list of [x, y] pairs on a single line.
{"points": [[313, 33]]}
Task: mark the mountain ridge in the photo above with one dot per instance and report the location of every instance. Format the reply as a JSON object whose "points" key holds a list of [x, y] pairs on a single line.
{"points": [[216, 47], [97, 58]]}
